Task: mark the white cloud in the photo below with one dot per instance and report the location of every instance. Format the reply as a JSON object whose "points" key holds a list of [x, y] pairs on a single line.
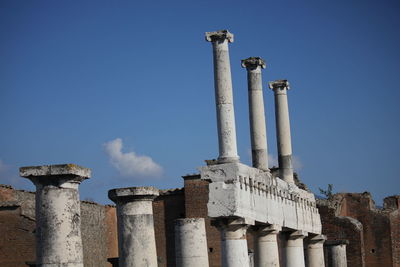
{"points": [[130, 164]]}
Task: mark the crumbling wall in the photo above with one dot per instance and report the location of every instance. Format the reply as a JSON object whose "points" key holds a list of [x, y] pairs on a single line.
{"points": [[376, 243], [340, 227], [376, 227], [111, 232], [392, 207], [93, 234], [17, 229], [196, 199], [167, 207]]}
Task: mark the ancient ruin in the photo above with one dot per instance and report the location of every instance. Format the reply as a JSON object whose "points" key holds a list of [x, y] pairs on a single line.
{"points": [[229, 214]]}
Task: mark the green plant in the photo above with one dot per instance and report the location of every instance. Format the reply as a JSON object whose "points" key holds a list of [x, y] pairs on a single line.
{"points": [[328, 193]]}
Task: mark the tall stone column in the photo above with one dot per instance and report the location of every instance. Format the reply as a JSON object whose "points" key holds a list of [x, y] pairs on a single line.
{"points": [[58, 218], [258, 132], [280, 88], [191, 243], [223, 95], [136, 239], [293, 249], [337, 252], [234, 251], [266, 246], [315, 251]]}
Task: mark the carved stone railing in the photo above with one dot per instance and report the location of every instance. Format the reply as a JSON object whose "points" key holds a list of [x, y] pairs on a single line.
{"points": [[237, 190]]}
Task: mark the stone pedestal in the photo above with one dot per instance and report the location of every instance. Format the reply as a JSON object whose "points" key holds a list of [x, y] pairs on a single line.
{"points": [[315, 251], [191, 243], [136, 239], [258, 132], [280, 88], [223, 96], [266, 246], [58, 219], [293, 249], [234, 250], [336, 252]]}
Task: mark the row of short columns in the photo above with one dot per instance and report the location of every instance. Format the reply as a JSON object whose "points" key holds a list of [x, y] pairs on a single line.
{"points": [[59, 235], [58, 222], [234, 250]]}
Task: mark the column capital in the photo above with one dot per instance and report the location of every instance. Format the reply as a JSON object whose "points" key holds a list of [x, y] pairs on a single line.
{"points": [[317, 238], [298, 234], [279, 84], [268, 229], [128, 194], [219, 36], [55, 174], [253, 62]]}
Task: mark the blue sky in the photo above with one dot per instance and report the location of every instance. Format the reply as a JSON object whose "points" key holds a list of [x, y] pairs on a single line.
{"points": [[118, 85]]}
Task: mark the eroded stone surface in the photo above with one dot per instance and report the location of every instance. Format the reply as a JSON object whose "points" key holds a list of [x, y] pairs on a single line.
{"points": [[224, 96], [237, 190], [58, 218], [258, 130], [54, 170], [191, 243], [136, 237]]}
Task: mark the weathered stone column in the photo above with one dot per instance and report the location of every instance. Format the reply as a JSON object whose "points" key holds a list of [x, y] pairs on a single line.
{"points": [[293, 249], [191, 243], [258, 132], [315, 251], [234, 251], [223, 96], [280, 88], [337, 253], [136, 239], [58, 215], [266, 246]]}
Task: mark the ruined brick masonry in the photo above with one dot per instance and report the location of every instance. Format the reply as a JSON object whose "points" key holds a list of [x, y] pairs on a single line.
{"points": [[373, 234]]}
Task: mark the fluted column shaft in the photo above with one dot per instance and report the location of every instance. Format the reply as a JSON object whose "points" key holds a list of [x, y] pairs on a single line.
{"points": [[224, 96], [258, 131], [280, 88]]}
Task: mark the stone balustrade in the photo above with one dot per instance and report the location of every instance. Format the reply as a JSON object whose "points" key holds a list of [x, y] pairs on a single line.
{"points": [[237, 190]]}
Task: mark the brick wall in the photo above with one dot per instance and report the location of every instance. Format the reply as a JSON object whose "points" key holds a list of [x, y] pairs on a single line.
{"points": [[168, 207], [17, 242], [196, 199], [93, 232], [339, 228], [17, 229], [376, 228], [375, 242], [392, 207], [374, 234], [111, 232]]}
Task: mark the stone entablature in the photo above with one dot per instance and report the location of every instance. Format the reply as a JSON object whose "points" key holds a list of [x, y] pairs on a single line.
{"points": [[237, 190]]}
